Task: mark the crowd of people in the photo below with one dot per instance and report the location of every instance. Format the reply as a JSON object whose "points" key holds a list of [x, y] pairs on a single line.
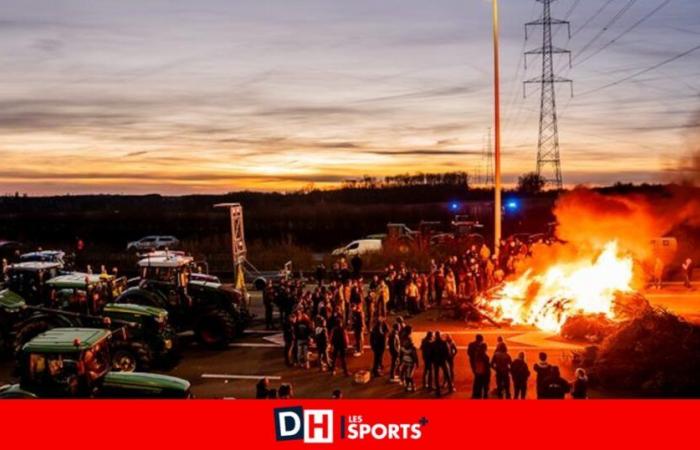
{"points": [[341, 309]]}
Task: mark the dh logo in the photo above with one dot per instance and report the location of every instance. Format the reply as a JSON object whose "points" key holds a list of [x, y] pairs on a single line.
{"points": [[314, 426]]}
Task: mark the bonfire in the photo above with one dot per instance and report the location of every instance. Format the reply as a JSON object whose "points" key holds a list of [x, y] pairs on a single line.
{"points": [[547, 299]]}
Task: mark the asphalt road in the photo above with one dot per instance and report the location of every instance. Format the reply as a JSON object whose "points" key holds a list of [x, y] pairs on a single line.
{"points": [[233, 373]]}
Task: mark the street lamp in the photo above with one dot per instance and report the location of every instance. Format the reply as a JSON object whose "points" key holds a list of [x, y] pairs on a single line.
{"points": [[497, 136]]}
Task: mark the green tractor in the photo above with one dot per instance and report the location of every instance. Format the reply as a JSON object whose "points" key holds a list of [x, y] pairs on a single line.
{"points": [[86, 300], [28, 279], [12, 309], [75, 363], [216, 312]]}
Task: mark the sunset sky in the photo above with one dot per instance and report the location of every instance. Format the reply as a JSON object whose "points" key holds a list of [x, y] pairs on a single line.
{"points": [[180, 97]]}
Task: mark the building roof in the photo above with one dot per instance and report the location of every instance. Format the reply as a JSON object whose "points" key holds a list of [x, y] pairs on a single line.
{"points": [[174, 260], [65, 340]]}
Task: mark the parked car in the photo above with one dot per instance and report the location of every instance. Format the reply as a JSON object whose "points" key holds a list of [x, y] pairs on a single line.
{"points": [[150, 243], [359, 247]]}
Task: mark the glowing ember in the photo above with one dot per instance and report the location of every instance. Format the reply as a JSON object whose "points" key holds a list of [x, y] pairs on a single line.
{"points": [[547, 299]]}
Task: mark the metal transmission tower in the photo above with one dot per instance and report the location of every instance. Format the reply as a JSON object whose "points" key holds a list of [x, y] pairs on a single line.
{"points": [[548, 162]]}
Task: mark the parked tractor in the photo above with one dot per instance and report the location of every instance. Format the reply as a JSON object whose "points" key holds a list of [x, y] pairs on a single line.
{"points": [[75, 363], [216, 312], [28, 279], [84, 300]]}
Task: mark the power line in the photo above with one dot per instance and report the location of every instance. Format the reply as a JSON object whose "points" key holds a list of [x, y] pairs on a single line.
{"points": [[642, 72], [593, 17], [610, 23], [648, 16], [567, 15]]}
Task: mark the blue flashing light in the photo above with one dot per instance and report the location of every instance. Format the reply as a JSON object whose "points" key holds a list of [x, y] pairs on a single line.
{"points": [[512, 205], [454, 206]]}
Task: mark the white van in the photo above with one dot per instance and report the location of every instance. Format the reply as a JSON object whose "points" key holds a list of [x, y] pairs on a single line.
{"points": [[359, 247]]}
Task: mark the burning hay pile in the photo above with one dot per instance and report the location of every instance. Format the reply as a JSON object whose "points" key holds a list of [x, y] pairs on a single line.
{"points": [[595, 328], [586, 286]]}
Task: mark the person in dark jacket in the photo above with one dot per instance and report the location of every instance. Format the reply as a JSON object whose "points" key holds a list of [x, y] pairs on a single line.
{"points": [[555, 387], [500, 362], [377, 341], [580, 388], [426, 349], [268, 302], [543, 370], [441, 353], [394, 343], [357, 319], [339, 340], [520, 373], [473, 348], [356, 263], [303, 331], [320, 274], [288, 336], [452, 347], [482, 373], [321, 339], [262, 388]]}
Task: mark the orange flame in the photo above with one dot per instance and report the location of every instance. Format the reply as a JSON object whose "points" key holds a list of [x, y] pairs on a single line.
{"points": [[547, 299]]}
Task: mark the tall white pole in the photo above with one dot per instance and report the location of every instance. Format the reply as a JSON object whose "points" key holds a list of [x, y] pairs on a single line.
{"points": [[497, 136]]}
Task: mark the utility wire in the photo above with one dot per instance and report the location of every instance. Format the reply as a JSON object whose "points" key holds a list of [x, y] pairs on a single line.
{"points": [[590, 19], [567, 15], [610, 23], [642, 72], [648, 16]]}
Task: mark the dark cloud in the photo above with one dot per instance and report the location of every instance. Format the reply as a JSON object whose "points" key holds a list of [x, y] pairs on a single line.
{"points": [[424, 152], [139, 153], [202, 177]]}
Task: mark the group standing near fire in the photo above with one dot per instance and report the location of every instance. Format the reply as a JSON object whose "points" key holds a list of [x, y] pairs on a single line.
{"points": [[342, 308]]}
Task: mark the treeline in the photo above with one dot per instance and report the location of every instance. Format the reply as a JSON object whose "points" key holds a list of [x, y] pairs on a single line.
{"points": [[403, 180]]}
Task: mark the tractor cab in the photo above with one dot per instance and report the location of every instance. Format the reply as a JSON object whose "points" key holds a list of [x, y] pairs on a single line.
{"points": [[28, 279], [75, 362], [171, 270], [57, 256], [84, 293], [65, 362]]}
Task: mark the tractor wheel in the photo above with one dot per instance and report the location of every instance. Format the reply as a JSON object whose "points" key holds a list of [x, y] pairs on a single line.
{"points": [[215, 329], [131, 356], [28, 332]]}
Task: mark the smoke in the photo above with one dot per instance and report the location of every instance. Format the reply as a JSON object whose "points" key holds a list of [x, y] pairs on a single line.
{"points": [[588, 220], [688, 168]]}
